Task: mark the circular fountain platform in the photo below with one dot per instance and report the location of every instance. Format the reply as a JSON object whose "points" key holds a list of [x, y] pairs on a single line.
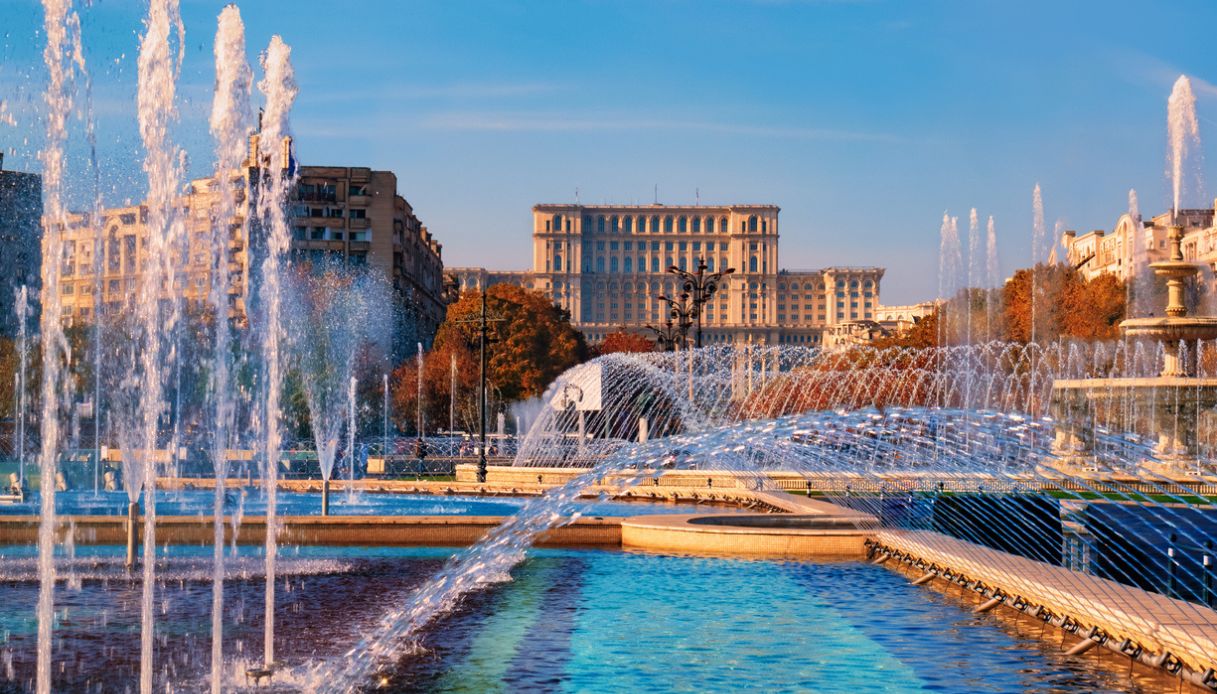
{"points": [[812, 529]]}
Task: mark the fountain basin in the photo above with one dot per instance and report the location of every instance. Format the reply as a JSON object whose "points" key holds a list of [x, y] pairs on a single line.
{"points": [[1170, 329]]}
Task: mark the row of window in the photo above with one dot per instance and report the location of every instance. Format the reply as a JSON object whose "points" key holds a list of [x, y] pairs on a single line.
{"points": [[655, 224]]}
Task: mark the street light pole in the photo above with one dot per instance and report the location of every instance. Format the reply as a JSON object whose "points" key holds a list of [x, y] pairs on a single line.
{"points": [[666, 336], [482, 394], [700, 288], [680, 311]]}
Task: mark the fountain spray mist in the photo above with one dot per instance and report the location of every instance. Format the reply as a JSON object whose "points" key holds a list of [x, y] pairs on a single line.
{"points": [[991, 279], [162, 165], [1183, 136], [1038, 232], [230, 114], [974, 271], [277, 176], [23, 318], [62, 28]]}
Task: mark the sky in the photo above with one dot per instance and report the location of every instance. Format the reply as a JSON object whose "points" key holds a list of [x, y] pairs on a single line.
{"points": [[865, 120]]}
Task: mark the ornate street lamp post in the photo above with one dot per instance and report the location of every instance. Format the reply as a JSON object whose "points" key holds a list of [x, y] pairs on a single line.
{"points": [[667, 336], [682, 313], [700, 288]]}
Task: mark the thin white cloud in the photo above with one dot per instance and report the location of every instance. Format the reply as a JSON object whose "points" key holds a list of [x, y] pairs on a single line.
{"points": [[517, 122], [459, 90]]}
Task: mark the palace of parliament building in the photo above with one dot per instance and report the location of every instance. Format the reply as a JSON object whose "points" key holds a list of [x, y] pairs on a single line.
{"points": [[607, 265]]}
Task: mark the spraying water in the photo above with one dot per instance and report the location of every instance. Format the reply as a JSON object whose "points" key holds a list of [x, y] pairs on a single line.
{"points": [[420, 391], [23, 311], [230, 112], [277, 177], [1183, 136], [974, 271], [1138, 276], [991, 278], [1038, 234], [162, 165], [949, 260], [351, 437], [62, 29]]}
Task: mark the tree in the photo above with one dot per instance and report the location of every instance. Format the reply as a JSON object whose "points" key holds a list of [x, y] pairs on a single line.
{"points": [[1062, 303], [532, 343], [922, 335], [624, 341]]}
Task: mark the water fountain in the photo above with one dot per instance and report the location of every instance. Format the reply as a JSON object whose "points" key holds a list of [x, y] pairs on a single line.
{"points": [[1172, 401], [331, 322], [942, 448]]}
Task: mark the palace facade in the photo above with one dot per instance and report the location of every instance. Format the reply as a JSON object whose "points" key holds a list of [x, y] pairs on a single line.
{"points": [[608, 265]]}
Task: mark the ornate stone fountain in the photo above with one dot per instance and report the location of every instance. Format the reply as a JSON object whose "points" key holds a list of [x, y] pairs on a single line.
{"points": [[1170, 403]]}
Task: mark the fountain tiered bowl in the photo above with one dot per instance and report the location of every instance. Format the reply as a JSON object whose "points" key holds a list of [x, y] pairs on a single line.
{"points": [[1171, 404]]}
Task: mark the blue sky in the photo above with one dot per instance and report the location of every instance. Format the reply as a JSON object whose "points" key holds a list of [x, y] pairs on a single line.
{"points": [[864, 120]]}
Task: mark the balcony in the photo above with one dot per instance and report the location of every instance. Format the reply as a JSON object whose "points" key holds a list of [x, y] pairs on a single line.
{"points": [[359, 200]]}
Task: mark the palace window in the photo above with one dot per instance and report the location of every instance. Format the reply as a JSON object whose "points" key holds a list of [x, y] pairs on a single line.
{"points": [[682, 224], [696, 224]]}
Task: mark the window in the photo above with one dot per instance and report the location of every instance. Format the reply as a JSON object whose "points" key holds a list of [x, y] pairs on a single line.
{"points": [[654, 263], [557, 262], [629, 224], [667, 224], [628, 264], [600, 224], [752, 220], [613, 264], [682, 224], [696, 224], [599, 263], [752, 264], [615, 224], [359, 214]]}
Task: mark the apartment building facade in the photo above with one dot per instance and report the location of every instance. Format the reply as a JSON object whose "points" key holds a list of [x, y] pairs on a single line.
{"points": [[350, 215]]}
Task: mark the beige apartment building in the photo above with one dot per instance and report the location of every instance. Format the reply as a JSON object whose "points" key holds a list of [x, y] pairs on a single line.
{"points": [[607, 265], [351, 214], [1098, 252]]}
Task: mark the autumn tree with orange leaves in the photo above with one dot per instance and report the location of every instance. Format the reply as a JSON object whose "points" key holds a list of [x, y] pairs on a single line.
{"points": [[624, 341], [530, 346], [1065, 305]]}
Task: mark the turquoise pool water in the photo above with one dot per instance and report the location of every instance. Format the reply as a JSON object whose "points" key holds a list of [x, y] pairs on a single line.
{"points": [[570, 621], [192, 502]]}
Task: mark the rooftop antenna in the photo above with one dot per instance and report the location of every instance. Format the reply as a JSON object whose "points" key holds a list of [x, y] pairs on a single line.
{"points": [[697, 194], [576, 195], [656, 193]]}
